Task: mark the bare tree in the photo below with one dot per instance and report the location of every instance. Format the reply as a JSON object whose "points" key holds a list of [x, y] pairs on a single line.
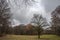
{"points": [[56, 20], [22, 3], [39, 22], [4, 16]]}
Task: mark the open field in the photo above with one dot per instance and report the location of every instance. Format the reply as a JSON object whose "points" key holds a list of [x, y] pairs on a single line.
{"points": [[28, 37]]}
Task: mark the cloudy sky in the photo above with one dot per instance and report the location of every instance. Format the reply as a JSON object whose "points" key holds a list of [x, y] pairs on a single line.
{"points": [[23, 10]]}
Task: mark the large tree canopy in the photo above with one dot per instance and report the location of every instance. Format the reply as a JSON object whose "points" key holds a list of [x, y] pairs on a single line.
{"points": [[56, 20], [39, 22], [5, 16]]}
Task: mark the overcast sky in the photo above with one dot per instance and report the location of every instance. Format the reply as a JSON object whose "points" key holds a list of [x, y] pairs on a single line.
{"points": [[23, 10]]}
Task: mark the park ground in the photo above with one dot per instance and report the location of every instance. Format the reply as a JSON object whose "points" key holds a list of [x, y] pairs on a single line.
{"points": [[30, 37]]}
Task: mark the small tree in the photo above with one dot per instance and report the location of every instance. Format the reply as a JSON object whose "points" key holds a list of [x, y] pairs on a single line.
{"points": [[39, 22]]}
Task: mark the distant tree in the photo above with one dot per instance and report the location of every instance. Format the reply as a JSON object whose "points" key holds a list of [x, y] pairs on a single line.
{"points": [[30, 30], [4, 16], [24, 29], [39, 22], [19, 30], [56, 20]]}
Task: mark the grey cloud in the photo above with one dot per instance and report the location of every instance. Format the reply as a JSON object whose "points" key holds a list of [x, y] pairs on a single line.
{"points": [[19, 11], [21, 8], [50, 5]]}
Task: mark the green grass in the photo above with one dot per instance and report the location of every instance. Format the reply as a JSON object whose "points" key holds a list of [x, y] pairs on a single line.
{"points": [[29, 37]]}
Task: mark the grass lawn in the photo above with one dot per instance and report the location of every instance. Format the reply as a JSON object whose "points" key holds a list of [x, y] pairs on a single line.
{"points": [[28, 37]]}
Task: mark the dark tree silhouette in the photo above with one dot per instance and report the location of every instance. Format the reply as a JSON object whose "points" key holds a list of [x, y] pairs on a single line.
{"points": [[56, 20], [5, 16], [39, 22]]}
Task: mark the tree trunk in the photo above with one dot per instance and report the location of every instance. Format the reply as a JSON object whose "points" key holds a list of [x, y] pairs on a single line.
{"points": [[39, 35]]}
